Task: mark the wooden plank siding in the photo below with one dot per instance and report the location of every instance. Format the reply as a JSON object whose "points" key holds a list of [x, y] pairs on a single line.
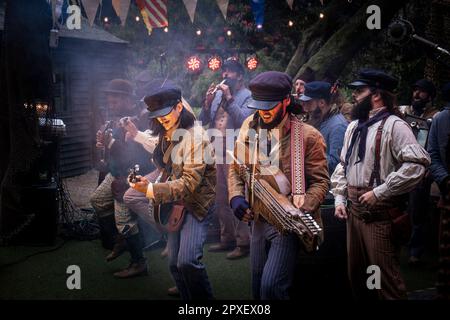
{"points": [[82, 69]]}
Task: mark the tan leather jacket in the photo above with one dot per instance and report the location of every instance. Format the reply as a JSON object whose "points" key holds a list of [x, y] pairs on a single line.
{"points": [[193, 174], [316, 168]]}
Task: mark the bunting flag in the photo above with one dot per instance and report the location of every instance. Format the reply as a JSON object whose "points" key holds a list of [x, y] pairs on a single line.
{"points": [[154, 13], [190, 7], [290, 3], [121, 7], [90, 7], [258, 11], [223, 6]]}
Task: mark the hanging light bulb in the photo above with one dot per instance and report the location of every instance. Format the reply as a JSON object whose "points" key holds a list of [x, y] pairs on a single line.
{"points": [[105, 19], [290, 23], [137, 18], [229, 33], [166, 29], [321, 15], [199, 32]]}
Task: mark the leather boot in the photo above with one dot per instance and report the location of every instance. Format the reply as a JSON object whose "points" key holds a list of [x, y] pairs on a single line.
{"points": [[138, 264], [119, 248], [134, 269]]}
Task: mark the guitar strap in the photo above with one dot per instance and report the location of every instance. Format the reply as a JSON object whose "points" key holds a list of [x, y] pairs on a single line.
{"points": [[297, 157]]}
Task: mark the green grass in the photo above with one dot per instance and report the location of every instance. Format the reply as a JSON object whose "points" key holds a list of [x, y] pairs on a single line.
{"points": [[44, 276]]}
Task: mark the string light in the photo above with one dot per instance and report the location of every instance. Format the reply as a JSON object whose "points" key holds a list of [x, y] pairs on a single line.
{"points": [[229, 33], [166, 29], [137, 18], [259, 26], [290, 23], [321, 15], [106, 19], [199, 32]]}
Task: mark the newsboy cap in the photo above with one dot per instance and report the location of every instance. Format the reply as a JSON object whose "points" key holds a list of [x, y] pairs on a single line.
{"points": [[120, 86], [427, 86], [161, 100], [268, 89], [374, 78], [316, 90], [234, 65]]}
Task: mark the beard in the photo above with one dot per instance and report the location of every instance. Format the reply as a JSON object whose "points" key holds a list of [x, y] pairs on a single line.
{"points": [[361, 110], [419, 105], [275, 122], [315, 118]]}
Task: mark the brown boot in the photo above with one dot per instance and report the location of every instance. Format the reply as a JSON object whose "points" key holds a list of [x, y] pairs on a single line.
{"points": [[133, 270], [119, 248], [173, 292], [238, 252]]}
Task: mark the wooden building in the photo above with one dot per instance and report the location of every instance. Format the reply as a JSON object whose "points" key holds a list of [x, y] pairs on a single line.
{"points": [[84, 61]]}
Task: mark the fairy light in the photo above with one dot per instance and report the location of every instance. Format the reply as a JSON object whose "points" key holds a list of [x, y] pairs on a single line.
{"points": [[137, 18], [166, 29], [290, 23], [105, 19], [321, 15], [199, 32], [229, 33]]}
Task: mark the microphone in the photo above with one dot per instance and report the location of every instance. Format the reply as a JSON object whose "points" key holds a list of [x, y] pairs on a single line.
{"points": [[402, 31]]}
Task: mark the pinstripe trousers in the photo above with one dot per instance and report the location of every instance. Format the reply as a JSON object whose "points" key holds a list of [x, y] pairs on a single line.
{"points": [[273, 259], [372, 244], [185, 253]]}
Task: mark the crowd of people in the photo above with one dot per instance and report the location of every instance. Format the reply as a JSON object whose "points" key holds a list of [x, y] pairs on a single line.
{"points": [[375, 162]]}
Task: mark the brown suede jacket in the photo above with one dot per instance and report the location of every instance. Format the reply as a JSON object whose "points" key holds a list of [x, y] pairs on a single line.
{"points": [[193, 174], [316, 168]]}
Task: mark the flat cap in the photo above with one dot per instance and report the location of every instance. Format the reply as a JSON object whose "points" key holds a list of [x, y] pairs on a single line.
{"points": [[316, 90], [268, 89], [427, 86], [120, 86], [376, 79], [161, 100], [234, 65]]}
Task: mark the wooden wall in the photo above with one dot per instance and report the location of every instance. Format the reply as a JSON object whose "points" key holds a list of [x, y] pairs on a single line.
{"points": [[82, 68]]}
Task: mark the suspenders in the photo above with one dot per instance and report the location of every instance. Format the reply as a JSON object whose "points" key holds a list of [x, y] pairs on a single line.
{"points": [[376, 166]]}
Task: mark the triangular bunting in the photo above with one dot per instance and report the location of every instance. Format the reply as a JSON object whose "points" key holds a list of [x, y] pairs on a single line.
{"points": [[121, 7], [190, 7], [290, 3], [223, 6], [90, 7]]}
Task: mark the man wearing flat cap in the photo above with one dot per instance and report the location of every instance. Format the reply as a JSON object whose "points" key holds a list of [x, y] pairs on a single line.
{"points": [[118, 231], [222, 110], [326, 118], [419, 115], [439, 149], [381, 161], [273, 254]]}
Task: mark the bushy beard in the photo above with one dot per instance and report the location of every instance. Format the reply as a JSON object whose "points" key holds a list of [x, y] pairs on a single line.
{"points": [[419, 105], [275, 122], [361, 110], [315, 118]]}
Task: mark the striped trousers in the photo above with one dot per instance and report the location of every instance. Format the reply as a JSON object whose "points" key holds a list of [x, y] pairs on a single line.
{"points": [[372, 244], [273, 258], [185, 253]]}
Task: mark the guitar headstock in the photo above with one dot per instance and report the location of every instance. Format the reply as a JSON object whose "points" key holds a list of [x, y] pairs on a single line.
{"points": [[134, 172]]}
